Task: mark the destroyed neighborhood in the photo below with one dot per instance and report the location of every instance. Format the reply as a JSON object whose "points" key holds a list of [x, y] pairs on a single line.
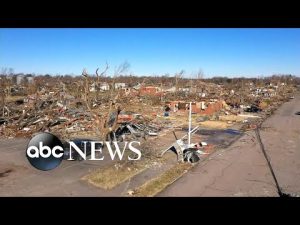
{"points": [[181, 124]]}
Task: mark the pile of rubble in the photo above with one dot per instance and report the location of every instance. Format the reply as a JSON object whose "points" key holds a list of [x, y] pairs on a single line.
{"points": [[64, 116], [55, 110]]}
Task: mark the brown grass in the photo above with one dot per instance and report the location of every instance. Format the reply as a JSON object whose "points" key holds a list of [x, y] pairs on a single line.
{"points": [[157, 184], [231, 118], [215, 124], [110, 177]]}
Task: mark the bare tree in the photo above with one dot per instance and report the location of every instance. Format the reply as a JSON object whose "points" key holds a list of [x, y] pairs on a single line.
{"points": [[4, 92], [3, 71], [10, 71], [120, 70], [86, 89], [98, 79], [101, 121], [200, 74], [178, 77], [103, 72], [199, 77]]}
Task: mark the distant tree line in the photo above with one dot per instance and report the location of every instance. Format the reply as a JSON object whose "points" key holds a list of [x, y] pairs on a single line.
{"points": [[177, 79]]}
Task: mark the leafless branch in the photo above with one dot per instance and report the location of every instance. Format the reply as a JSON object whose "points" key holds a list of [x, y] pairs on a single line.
{"points": [[104, 71], [84, 73]]}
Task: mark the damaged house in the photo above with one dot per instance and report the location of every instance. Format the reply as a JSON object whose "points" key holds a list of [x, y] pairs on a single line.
{"points": [[102, 87], [120, 85], [202, 107], [151, 90]]}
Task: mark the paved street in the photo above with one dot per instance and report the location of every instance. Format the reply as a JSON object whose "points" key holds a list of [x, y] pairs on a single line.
{"points": [[241, 169]]}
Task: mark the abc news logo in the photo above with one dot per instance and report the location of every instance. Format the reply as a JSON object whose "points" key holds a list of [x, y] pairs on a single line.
{"points": [[45, 151]]}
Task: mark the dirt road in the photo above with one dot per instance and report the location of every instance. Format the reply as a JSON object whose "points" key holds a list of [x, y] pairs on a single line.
{"points": [[241, 170]]}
